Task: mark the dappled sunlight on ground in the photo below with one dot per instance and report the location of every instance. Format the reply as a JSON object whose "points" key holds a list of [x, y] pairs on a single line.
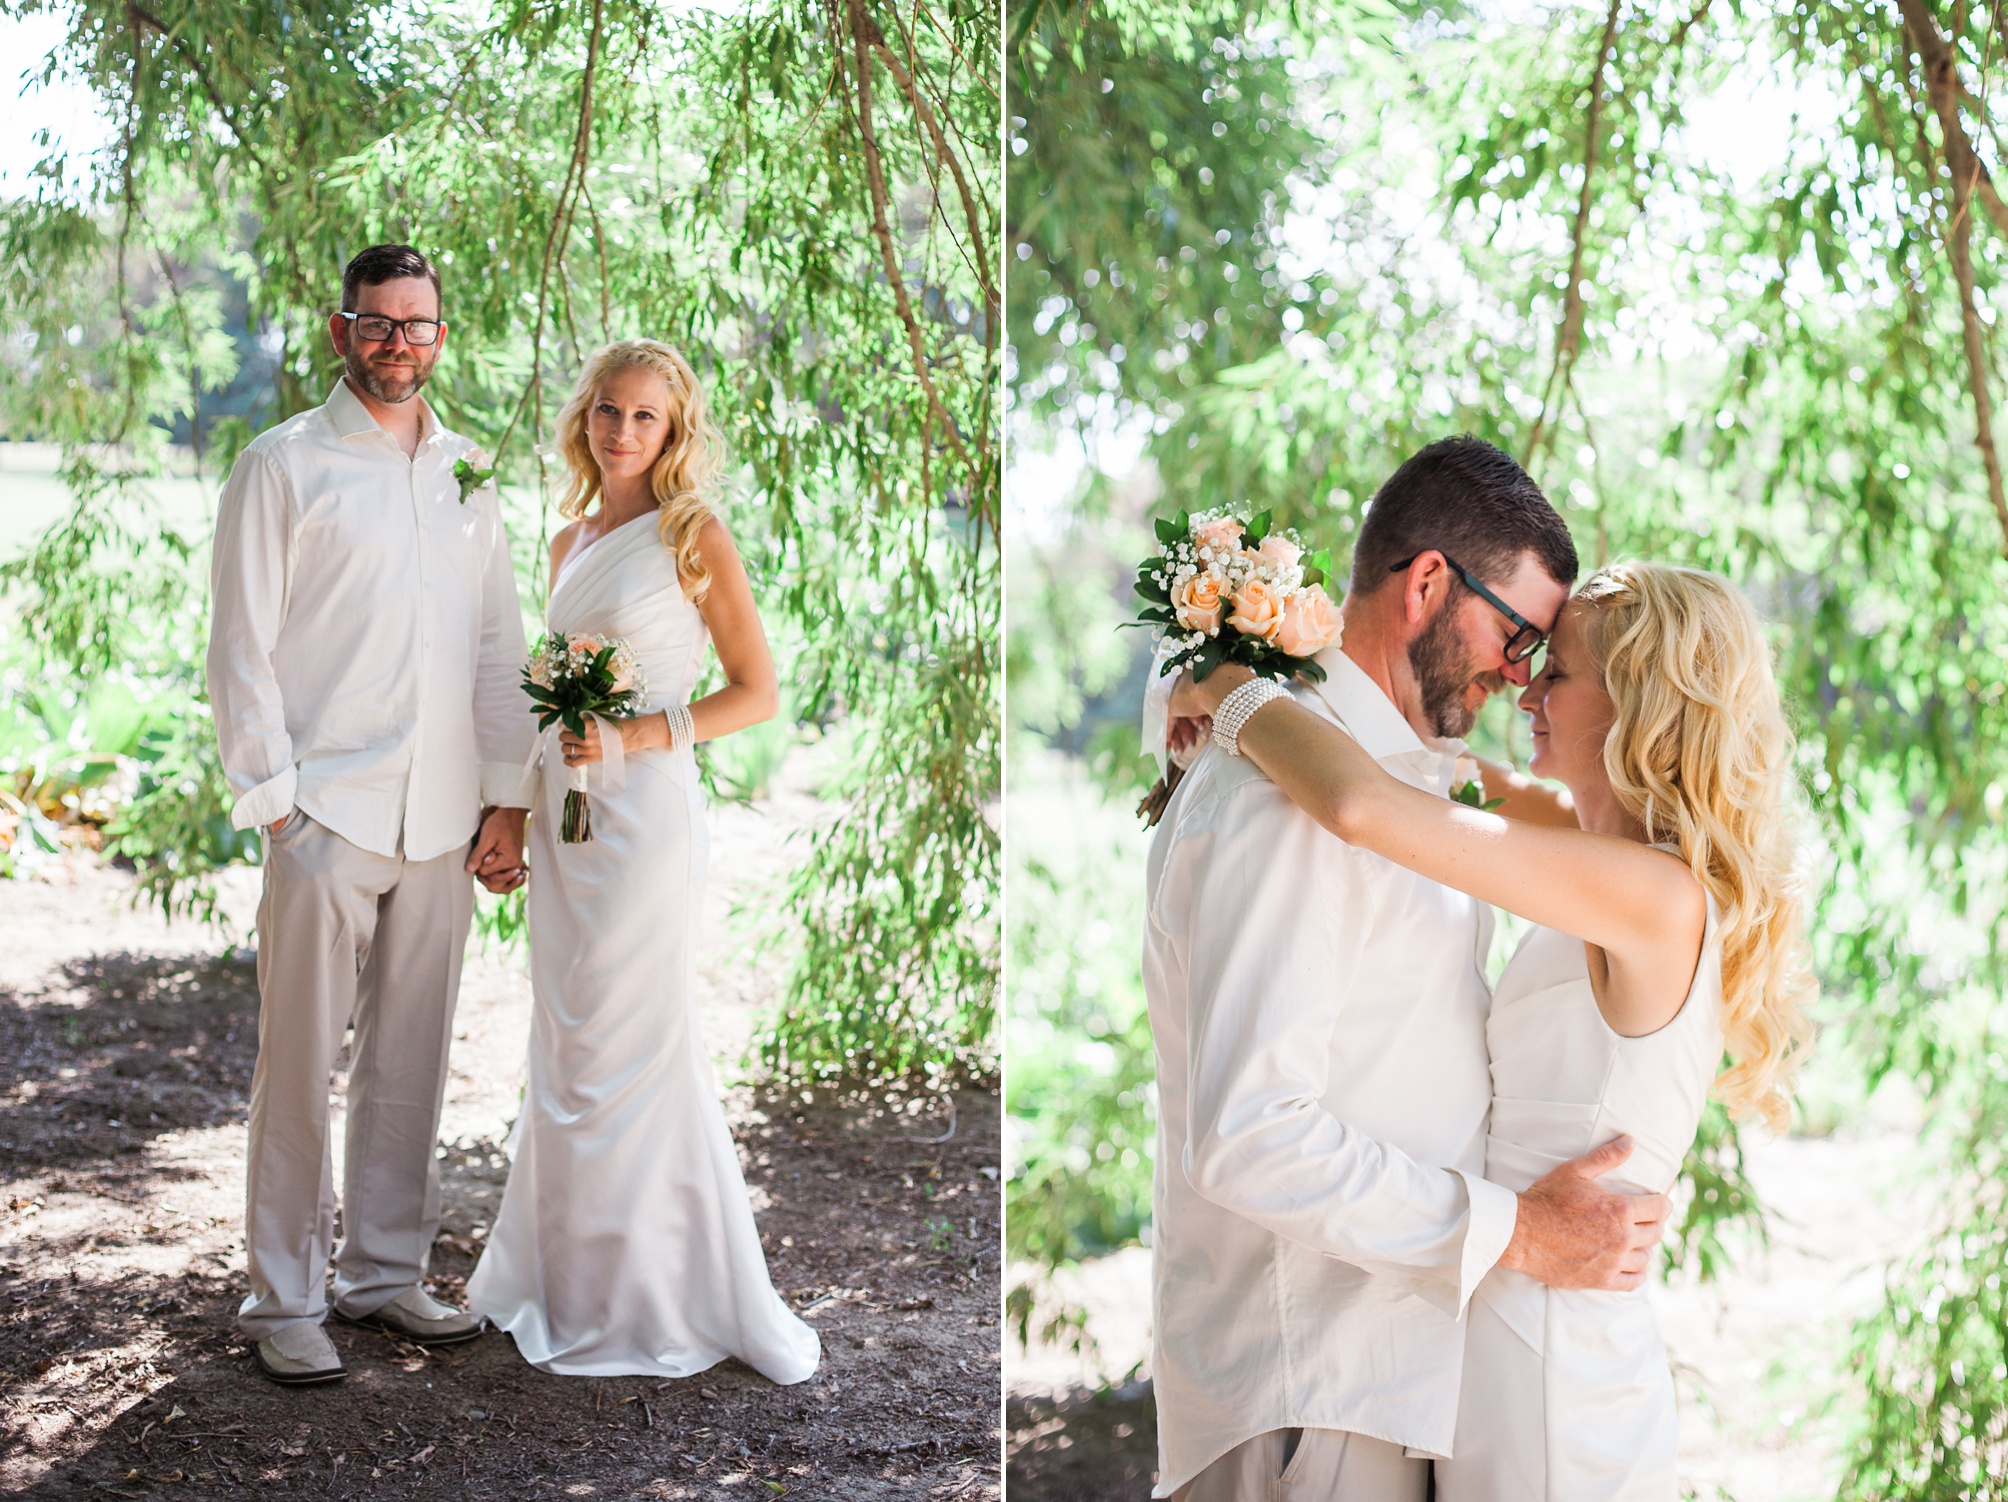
{"points": [[126, 1047]]}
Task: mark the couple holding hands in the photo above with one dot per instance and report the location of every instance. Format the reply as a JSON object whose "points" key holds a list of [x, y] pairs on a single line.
{"points": [[364, 664]]}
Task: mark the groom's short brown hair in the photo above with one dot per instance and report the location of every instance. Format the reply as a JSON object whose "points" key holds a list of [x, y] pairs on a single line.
{"points": [[1470, 500], [387, 263]]}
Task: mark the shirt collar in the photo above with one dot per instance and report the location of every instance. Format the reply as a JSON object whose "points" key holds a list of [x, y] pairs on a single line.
{"points": [[1369, 715], [350, 416]]}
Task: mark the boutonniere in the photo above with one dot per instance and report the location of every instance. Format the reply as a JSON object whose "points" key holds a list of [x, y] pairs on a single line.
{"points": [[473, 471], [1467, 786]]}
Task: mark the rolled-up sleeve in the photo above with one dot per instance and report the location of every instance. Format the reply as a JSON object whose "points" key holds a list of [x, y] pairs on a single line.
{"points": [[1289, 913], [251, 566], [503, 727]]}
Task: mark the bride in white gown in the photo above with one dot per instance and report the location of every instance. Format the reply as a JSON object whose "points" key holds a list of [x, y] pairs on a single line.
{"points": [[1667, 927], [625, 1244]]}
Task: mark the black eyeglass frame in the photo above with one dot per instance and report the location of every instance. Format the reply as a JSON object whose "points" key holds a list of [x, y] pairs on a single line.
{"points": [[398, 326], [1525, 629]]}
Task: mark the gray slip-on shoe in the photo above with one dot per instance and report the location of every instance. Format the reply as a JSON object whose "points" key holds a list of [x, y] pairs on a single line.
{"points": [[298, 1356], [418, 1317]]}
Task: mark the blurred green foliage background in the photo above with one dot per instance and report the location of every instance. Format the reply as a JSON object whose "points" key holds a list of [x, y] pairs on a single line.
{"points": [[1727, 279], [804, 198]]}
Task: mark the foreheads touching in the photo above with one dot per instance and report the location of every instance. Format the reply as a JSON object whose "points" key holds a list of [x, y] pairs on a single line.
{"points": [[1461, 567]]}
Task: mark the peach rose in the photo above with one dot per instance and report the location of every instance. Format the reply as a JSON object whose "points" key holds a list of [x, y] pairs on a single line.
{"points": [[1279, 550], [1223, 535], [581, 643], [1258, 610], [1310, 623], [1198, 604]]}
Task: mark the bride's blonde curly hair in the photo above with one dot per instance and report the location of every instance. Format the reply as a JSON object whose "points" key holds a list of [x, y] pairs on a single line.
{"points": [[685, 478], [1700, 754]]}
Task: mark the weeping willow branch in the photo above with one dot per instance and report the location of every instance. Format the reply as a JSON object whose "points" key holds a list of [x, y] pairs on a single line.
{"points": [[1569, 333], [142, 19], [561, 222], [865, 37], [1944, 90], [1967, 171], [970, 207]]}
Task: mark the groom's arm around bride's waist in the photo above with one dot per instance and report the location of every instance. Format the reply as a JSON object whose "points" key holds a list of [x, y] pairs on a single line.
{"points": [[1336, 1079]]}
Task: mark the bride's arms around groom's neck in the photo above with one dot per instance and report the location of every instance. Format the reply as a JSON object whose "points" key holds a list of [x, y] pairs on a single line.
{"points": [[1640, 909]]}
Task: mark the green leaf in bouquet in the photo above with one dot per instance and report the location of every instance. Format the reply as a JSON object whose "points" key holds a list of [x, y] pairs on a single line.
{"points": [[1208, 658], [1319, 563], [574, 722], [1258, 526], [1167, 532], [1310, 669]]}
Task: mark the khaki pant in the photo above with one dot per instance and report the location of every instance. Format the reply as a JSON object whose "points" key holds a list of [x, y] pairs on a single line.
{"points": [[1310, 1465], [344, 935]]}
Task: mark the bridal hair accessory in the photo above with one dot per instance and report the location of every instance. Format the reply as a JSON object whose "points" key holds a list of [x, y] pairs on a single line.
{"points": [[1227, 589], [473, 470], [1238, 706], [569, 678]]}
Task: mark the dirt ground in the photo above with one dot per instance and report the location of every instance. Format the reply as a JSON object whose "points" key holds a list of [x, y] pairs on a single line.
{"points": [[126, 1047]]}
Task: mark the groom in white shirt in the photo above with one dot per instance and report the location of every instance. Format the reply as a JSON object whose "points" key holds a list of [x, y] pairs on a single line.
{"points": [[1320, 1212], [363, 662]]}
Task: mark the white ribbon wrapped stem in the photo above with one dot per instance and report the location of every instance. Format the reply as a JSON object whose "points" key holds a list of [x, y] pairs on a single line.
{"points": [[1157, 708]]}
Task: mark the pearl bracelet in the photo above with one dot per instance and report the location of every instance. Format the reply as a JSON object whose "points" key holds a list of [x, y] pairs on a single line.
{"points": [[1238, 706], [682, 729]]}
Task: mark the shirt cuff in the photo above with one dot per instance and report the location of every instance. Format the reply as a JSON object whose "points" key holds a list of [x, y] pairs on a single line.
{"points": [[504, 784], [266, 803], [1494, 1212]]}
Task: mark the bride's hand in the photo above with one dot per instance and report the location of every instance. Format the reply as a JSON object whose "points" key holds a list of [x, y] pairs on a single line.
{"points": [[644, 733], [1190, 712], [583, 751]]}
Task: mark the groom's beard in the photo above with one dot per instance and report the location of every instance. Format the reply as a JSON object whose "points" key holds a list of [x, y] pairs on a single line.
{"points": [[1444, 674], [389, 381]]}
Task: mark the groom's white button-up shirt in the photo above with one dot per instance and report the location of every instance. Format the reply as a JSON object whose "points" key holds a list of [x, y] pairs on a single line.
{"points": [[1319, 1018], [366, 645]]}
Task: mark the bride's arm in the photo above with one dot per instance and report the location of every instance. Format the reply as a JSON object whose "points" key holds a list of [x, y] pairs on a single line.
{"points": [[1642, 906], [1524, 797], [751, 693]]}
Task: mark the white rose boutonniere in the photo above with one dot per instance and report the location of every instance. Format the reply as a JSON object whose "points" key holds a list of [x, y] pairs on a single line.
{"points": [[1467, 785], [473, 470]]}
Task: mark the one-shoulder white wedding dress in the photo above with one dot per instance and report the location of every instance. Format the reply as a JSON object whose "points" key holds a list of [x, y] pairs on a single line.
{"points": [[1567, 1395], [625, 1244]]}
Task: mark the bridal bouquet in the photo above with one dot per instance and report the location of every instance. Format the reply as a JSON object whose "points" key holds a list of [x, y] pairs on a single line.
{"points": [[1227, 589], [569, 678]]}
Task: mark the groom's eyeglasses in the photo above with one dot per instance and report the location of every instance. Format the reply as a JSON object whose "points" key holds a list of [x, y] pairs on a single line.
{"points": [[1526, 638], [376, 328]]}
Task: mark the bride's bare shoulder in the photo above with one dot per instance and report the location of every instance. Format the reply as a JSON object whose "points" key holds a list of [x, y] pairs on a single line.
{"points": [[561, 545]]}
